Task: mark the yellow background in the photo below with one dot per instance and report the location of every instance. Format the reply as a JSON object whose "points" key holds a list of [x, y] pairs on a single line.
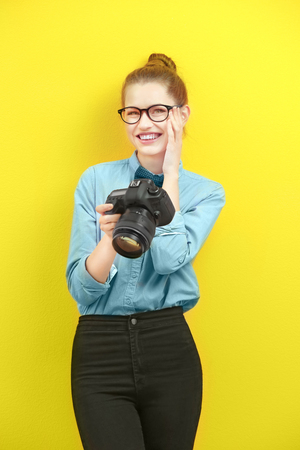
{"points": [[62, 66]]}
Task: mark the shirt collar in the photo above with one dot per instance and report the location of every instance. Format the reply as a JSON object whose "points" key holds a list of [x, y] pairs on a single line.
{"points": [[134, 163]]}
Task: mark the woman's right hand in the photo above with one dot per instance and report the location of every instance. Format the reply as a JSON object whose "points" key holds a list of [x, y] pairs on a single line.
{"points": [[107, 221]]}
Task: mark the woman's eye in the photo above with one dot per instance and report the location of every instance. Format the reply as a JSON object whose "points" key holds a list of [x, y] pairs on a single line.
{"points": [[158, 111], [132, 113]]}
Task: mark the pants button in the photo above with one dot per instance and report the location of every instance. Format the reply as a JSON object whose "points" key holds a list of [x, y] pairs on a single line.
{"points": [[133, 321]]}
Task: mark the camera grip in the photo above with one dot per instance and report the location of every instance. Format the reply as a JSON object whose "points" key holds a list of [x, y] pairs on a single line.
{"points": [[111, 211]]}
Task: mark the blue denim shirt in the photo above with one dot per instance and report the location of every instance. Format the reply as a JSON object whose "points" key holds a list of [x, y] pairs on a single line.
{"points": [[163, 276]]}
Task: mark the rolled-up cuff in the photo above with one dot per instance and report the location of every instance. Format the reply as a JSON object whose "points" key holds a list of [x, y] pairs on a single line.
{"points": [[175, 226]]}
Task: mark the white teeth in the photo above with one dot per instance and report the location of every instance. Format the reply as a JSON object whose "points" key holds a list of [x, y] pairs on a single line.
{"points": [[148, 136]]}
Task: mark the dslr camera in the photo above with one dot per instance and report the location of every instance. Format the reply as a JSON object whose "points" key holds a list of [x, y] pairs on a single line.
{"points": [[143, 206]]}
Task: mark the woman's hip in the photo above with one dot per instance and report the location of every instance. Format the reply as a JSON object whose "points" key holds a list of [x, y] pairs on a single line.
{"points": [[134, 351]]}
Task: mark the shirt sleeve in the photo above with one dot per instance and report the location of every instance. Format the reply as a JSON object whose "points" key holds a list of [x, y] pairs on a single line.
{"points": [[178, 243], [82, 286]]}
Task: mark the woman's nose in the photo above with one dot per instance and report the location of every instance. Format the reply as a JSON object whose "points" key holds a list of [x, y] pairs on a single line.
{"points": [[145, 121]]}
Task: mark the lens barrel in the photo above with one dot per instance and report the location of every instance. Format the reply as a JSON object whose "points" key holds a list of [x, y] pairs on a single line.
{"points": [[133, 233]]}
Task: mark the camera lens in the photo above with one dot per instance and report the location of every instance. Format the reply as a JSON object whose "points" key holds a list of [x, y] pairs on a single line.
{"points": [[134, 232], [128, 244]]}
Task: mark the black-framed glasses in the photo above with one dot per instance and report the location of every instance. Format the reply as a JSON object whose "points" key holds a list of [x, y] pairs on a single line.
{"points": [[157, 113]]}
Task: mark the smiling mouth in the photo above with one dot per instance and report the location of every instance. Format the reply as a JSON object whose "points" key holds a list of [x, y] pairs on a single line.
{"points": [[149, 137]]}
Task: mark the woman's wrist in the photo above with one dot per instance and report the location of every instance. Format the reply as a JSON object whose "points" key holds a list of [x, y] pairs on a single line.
{"points": [[170, 185], [172, 176], [99, 263]]}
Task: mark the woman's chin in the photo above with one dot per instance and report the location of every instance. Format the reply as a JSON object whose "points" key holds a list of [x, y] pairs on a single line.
{"points": [[151, 151]]}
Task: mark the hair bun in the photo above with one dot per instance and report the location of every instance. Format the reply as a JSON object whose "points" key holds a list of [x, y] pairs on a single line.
{"points": [[159, 69], [161, 59]]}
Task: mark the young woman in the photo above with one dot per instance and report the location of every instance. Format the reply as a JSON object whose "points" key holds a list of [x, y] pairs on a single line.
{"points": [[136, 372]]}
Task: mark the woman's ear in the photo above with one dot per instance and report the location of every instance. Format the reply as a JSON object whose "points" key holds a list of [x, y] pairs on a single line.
{"points": [[185, 112]]}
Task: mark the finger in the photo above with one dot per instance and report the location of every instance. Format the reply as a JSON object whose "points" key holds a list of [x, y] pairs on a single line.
{"points": [[105, 219], [101, 209], [179, 117], [107, 227], [177, 124], [171, 136]]}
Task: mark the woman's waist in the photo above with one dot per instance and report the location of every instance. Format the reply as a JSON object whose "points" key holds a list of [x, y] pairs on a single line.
{"points": [[144, 319]]}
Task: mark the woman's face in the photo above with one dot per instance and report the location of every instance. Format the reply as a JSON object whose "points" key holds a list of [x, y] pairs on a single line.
{"points": [[148, 137]]}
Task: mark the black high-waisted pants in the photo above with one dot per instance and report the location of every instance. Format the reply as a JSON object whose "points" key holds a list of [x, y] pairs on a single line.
{"points": [[136, 381]]}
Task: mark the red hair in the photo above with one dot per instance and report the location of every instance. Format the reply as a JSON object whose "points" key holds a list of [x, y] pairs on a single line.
{"points": [[160, 69]]}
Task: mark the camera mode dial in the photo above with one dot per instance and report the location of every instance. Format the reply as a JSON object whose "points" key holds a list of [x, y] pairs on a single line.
{"points": [[153, 190]]}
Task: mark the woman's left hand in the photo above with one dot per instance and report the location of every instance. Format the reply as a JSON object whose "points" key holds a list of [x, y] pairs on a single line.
{"points": [[174, 146]]}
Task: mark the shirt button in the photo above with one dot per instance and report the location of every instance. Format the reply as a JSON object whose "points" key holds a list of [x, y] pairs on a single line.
{"points": [[128, 301], [134, 275], [133, 321]]}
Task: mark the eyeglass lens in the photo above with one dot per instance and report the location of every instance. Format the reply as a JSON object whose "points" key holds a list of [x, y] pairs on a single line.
{"points": [[156, 113]]}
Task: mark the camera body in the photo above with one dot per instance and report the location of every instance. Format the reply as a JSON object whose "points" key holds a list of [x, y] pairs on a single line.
{"points": [[143, 206], [143, 193]]}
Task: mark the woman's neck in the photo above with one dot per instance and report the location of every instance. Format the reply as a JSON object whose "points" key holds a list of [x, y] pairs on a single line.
{"points": [[152, 163]]}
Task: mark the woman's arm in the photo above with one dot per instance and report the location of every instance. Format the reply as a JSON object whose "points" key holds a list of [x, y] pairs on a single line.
{"points": [[176, 121], [177, 243], [99, 263], [83, 283]]}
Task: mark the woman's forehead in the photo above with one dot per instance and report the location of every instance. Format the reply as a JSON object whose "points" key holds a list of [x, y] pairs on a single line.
{"points": [[144, 95]]}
